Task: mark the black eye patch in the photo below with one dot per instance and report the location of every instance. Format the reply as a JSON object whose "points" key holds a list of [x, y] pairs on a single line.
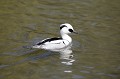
{"points": [[70, 30], [62, 26]]}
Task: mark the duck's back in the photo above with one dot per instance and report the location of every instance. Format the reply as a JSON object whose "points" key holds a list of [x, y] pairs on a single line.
{"points": [[53, 44]]}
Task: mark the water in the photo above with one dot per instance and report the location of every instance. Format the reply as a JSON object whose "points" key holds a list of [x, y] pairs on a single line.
{"points": [[95, 49]]}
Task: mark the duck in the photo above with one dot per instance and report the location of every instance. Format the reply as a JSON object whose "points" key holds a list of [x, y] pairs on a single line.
{"points": [[57, 43]]}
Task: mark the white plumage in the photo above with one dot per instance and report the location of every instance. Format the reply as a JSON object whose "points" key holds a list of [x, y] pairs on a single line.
{"points": [[59, 43]]}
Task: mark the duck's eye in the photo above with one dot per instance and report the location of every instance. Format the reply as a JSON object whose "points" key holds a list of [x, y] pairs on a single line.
{"points": [[70, 30]]}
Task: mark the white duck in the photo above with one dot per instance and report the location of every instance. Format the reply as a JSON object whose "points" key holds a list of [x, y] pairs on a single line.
{"points": [[59, 43]]}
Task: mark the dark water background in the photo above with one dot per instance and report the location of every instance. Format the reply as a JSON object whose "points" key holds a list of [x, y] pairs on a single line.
{"points": [[96, 49]]}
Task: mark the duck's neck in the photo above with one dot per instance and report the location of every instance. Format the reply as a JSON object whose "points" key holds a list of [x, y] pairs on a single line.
{"points": [[66, 37]]}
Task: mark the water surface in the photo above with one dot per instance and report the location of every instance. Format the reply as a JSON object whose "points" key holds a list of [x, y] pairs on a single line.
{"points": [[96, 49]]}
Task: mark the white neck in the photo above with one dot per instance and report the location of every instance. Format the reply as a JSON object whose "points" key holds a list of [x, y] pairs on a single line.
{"points": [[66, 37]]}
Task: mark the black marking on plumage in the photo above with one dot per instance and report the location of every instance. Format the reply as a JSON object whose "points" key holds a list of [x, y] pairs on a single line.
{"points": [[63, 42], [62, 26], [48, 40], [70, 30]]}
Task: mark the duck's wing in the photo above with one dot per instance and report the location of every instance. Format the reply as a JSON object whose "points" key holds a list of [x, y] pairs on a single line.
{"points": [[48, 40]]}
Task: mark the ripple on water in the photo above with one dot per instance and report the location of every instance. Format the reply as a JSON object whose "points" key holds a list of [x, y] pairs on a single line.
{"points": [[85, 71], [78, 77], [105, 74], [3, 66]]}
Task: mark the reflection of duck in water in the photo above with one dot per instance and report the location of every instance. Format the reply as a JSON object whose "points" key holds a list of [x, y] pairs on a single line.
{"points": [[57, 44], [67, 56]]}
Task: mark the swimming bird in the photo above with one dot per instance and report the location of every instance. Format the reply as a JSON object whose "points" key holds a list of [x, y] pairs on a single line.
{"points": [[58, 43]]}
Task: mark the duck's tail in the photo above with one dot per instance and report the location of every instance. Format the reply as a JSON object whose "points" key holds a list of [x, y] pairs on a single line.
{"points": [[36, 46]]}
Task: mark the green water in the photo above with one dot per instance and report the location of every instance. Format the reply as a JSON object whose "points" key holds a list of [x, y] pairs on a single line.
{"points": [[96, 48]]}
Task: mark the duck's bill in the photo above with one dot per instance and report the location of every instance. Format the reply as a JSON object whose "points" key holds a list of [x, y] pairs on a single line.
{"points": [[75, 32]]}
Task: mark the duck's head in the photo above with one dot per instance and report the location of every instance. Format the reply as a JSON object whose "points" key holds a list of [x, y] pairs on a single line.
{"points": [[66, 28]]}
